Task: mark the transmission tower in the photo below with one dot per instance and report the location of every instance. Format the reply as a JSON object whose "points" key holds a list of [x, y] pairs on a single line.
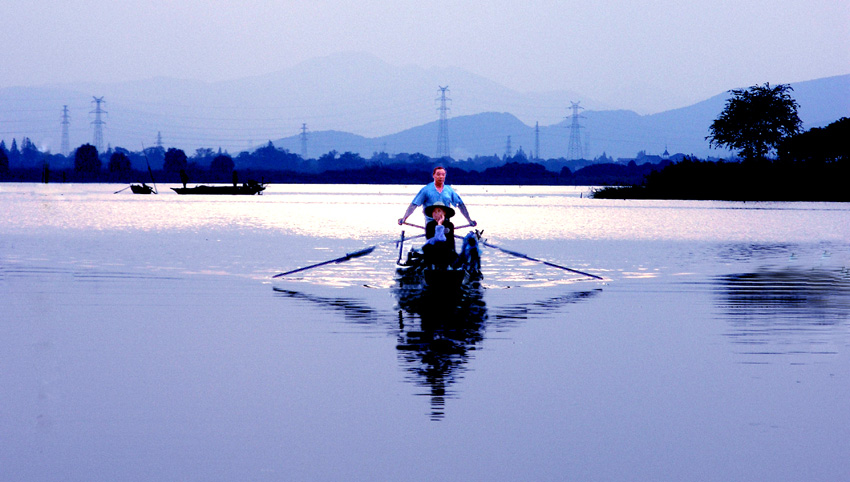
{"points": [[537, 140], [66, 121], [303, 141], [508, 150], [158, 138], [98, 123], [443, 130], [574, 149]]}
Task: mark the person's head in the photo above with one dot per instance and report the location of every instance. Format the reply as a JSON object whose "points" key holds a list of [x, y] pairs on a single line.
{"points": [[431, 210], [439, 175], [438, 214]]}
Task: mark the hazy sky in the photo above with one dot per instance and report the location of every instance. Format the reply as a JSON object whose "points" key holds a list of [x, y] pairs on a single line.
{"points": [[649, 55]]}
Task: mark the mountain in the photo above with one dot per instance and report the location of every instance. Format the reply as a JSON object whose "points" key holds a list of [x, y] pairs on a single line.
{"points": [[617, 133], [356, 102]]}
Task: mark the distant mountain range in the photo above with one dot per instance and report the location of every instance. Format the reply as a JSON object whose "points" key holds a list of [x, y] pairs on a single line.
{"points": [[358, 103]]}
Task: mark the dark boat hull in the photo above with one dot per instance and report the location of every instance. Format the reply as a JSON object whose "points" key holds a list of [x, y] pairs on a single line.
{"points": [[143, 189], [245, 189]]}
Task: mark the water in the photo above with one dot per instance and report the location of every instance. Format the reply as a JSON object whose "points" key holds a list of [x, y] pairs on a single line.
{"points": [[144, 338]]}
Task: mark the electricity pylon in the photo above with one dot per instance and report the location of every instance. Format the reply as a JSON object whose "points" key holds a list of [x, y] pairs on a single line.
{"points": [[443, 127], [574, 149], [66, 143], [98, 123]]}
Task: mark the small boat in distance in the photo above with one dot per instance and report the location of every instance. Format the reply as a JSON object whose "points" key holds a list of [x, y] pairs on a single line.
{"points": [[248, 188], [141, 189]]}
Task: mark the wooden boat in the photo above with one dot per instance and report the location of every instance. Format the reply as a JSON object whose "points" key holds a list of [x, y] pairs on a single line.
{"points": [[418, 274], [248, 188], [141, 189], [144, 188], [417, 271]]}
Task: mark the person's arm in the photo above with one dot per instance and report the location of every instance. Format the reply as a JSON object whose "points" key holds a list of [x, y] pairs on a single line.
{"points": [[462, 208], [407, 213]]}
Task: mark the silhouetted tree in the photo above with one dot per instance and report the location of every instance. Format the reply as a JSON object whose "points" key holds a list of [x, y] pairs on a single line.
{"points": [[14, 154], [30, 155], [222, 164], [119, 163], [86, 160], [4, 162], [755, 120], [155, 156], [203, 156], [175, 160], [819, 144]]}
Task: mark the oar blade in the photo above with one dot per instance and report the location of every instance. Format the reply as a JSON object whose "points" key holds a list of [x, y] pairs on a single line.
{"points": [[547, 263], [348, 256], [357, 254]]}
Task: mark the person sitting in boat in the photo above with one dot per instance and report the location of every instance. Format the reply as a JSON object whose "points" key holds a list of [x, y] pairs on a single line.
{"points": [[433, 193], [439, 250]]}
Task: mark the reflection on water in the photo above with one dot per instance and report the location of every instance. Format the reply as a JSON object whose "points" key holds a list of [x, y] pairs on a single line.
{"points": [[353, 310], [437, 330], [786, 312]]}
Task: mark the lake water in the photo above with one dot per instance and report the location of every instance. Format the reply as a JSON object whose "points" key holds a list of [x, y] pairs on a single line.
{"points": [[144, 338]]}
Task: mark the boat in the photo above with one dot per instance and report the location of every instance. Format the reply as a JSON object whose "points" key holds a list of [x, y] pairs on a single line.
{"points": [[418, 271], [144, 188], [417, 275], [141, 189], [248, 188]]}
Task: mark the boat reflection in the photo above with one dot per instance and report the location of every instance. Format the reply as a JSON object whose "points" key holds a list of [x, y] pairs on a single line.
{"points": [[438, 330], [786, 313]]}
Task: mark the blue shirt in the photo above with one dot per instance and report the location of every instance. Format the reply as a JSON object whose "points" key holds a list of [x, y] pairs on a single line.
{"points": [[429, 195]]}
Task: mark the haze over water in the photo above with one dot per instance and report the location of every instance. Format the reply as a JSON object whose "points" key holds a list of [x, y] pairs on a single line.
{"points": [[145, 339]]}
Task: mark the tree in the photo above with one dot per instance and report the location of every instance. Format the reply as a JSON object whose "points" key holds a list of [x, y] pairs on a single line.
{"points": [[756, 120], [30, 155], [222, 164], [4, 162], [86, 160], [14, 154], [119, 163], [819, 144], [175, 160]]}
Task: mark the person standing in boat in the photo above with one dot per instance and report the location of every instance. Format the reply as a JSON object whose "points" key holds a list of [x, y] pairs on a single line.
{"points": [[434, 192], [439, 250]]}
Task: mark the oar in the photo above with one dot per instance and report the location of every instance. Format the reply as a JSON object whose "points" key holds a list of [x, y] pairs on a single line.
{"points": [[525, 256], [423, 227], [149, 168], [116, 192], [355, 254]]}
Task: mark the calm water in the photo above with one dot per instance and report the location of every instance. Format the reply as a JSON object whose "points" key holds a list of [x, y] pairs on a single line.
{"points": [[145, 339]]}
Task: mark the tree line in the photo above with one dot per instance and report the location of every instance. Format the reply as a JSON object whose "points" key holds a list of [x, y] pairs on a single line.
{"points": [[778, 160], [276, 165]]}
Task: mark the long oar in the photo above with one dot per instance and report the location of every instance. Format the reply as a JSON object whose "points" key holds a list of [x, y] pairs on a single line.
{"points": [[525, 256], [116, 192], [355, 254], [349, 256], [155, 191]]}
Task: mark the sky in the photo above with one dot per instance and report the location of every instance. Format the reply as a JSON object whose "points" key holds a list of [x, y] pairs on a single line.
{"points": [[647, 56]]}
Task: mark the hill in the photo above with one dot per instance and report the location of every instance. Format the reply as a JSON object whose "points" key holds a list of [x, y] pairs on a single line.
{"points": [[355, 102]]}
